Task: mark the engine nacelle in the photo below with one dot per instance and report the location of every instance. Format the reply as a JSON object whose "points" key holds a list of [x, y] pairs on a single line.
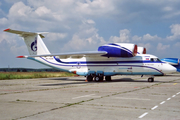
{"points": [[141, 50], [119, 50]]}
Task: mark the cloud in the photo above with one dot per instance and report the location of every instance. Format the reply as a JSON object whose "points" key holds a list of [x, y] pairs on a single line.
{"points": [[136, 38], [145, 45], [162, 47], [175, 30], [79, 25], [167, 9], [148, 37], [89, 21], [86, 36], [55, 36], [3, 21], [177, 45], [42, 11], [124, 36], [77, 43], [19, 9], [95, 7]]}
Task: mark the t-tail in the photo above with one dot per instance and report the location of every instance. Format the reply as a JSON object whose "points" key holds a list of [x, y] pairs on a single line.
{"points": [[33, 41]]}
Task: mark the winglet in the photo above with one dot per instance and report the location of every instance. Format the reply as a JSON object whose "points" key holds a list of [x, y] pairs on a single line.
{"points": [[7, 29]]}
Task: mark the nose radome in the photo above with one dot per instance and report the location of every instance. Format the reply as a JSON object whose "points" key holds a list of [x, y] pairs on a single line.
{"points": [[167, 68], [172, 69]]}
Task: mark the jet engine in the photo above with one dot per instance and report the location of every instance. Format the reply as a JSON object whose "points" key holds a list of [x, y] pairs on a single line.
{"points": [[119, 50]]}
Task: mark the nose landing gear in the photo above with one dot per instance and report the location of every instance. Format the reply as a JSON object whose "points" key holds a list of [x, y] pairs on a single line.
{"points": [[151, 79]]}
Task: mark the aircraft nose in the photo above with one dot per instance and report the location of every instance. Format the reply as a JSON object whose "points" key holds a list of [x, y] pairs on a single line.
{"points": [[171, 69]]}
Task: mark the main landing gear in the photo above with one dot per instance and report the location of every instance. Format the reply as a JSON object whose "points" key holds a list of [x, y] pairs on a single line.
{"points": [[97, 78]]}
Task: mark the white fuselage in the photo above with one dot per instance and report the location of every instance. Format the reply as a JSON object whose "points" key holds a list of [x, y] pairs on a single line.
{"points": [[142, 64], [110, 59]]}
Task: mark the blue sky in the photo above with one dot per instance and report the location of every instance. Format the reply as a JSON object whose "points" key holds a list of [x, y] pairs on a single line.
{"points": [[83, 25]]}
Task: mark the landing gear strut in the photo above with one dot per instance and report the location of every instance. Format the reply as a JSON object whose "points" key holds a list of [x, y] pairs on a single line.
{"points": [[151, 79]]}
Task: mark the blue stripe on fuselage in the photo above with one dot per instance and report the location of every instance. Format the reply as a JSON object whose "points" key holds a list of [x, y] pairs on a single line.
{"points": [[106, 62], [102, 62]]}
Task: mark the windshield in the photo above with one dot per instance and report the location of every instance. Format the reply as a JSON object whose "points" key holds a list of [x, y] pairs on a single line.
{"points": [[155, 60]]}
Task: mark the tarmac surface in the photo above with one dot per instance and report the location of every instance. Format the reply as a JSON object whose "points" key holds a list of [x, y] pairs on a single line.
{"points": [[67, 98]]}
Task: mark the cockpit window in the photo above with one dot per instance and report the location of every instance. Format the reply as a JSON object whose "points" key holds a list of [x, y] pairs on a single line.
{"points": [[152, 60], [158, 60], [155, 60]]}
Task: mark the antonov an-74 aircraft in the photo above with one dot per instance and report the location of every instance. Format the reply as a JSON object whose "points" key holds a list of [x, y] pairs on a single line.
{"points": [[110, 59]]}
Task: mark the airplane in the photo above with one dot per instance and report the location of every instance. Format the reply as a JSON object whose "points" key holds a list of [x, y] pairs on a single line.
{"points": [[110, 59]]}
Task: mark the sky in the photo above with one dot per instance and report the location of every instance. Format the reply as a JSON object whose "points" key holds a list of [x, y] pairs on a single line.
{"points": [[83, 25]]}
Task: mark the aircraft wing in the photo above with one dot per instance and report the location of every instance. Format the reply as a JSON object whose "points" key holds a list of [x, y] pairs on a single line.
{"points": [[67, 55]]}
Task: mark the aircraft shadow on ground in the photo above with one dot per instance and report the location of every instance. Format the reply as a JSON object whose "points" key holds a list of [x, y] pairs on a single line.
{"points": [[84, 82]]}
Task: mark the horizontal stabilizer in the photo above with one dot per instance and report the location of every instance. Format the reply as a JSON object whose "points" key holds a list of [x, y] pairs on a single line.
{"points": [[23, 33]]}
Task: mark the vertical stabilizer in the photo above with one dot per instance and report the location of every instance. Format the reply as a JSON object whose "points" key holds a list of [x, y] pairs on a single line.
{"points": [[33, 42], [42, 49]]}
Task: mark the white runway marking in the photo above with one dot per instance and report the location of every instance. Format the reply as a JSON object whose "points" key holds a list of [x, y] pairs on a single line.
{"points": [[143, 115], [157, 105], [173, 95], [131, 98], [168, 98], [154, 107], [83, 96], [162, 102]]}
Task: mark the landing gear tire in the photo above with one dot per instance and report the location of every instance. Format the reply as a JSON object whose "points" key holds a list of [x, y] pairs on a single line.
{"points": [[151, 79], [97, 78], [89, 78], [108, 78]]}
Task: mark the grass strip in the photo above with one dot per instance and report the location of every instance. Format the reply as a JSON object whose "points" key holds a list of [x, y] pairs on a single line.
{"points": [[31, 75]]}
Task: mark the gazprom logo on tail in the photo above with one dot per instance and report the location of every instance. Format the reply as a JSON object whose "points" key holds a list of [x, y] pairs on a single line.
{"points": [[34, 45]]}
